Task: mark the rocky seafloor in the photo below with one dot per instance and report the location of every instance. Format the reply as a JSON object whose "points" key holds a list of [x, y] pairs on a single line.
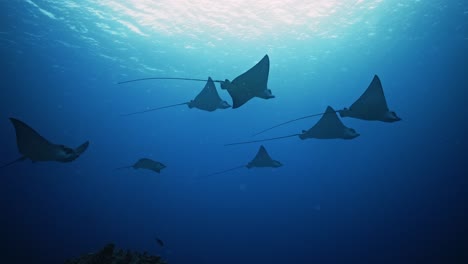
{"points": [[108, 255]]}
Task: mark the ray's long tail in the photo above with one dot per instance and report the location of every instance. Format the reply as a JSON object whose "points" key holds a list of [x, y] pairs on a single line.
{"points": [[168, 78], [124, 167], [221, 172], [287, 122], [154, 109], [13, 162], [190, 181], [260, 140]]}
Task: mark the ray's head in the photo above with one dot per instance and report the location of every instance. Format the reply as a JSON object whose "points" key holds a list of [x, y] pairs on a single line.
{"points": [[267, 94], [276, 164], [66, 154], [227, 85], [191, 104], [391, 116], [344, 112], [224, 105], [350, 133]]}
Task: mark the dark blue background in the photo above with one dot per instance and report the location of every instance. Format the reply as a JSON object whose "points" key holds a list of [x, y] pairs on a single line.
{"points": [[396, 194]]}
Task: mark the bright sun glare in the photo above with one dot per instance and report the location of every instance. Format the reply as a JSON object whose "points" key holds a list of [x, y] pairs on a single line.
{"points": [[244, 19]]}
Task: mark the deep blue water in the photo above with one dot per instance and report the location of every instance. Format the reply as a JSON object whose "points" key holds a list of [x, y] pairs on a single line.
{"points": [[396, 194]]}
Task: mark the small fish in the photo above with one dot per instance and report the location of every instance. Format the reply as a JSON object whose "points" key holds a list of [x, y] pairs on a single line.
{"points": [[159, 241]]}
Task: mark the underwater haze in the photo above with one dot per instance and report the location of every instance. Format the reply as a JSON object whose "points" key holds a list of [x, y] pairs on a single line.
{"points": [[395, 194]]}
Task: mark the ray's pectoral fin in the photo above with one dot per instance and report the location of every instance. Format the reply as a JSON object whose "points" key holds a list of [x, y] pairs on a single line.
{"points": [[371, 105], [250, 84], [266, 94], [35, 147], [82, 148], [263, 159], [208, 99], [329, 127]]}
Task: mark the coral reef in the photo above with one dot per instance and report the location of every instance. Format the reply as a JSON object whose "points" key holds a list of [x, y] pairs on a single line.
{"points": [[108, 255]]}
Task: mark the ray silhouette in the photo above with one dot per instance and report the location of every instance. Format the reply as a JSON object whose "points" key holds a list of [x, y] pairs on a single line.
{"points": [[250, 84], [371, 106], [147, 164], [328, 127], [261, 160], [33, 146], [207, 100]]}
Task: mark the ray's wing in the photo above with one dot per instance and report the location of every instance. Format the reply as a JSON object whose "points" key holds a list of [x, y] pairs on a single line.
{"points": [[372, 100], [251, 83], [31, 144], [149, 164], [82, 148], [144, 163], [262, 157], [328, 126], [239, 97], [209, 95], [158, 166]]}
